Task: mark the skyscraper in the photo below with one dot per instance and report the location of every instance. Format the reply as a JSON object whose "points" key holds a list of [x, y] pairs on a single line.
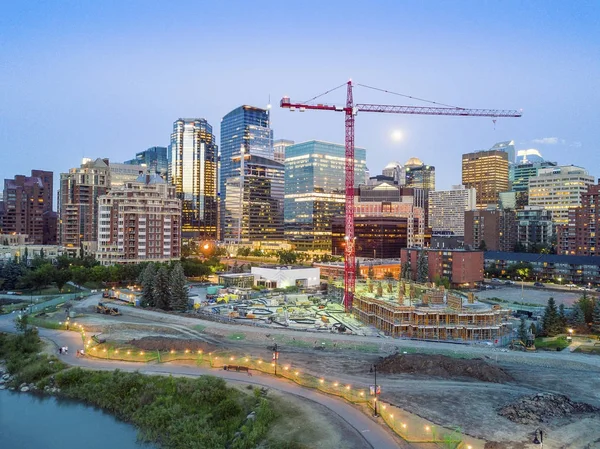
{"points": [[417, 174], [487, 172], [315, 191], [154, 158], [559, 189], [447, 209], [279, 147], [245, 130], [193, 171]]}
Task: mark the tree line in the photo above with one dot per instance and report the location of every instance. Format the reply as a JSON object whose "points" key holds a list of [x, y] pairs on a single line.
{"points": [[583, 318]]}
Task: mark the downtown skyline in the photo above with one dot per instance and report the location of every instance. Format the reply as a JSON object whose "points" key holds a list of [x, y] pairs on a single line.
{"points": [[81, 70]]}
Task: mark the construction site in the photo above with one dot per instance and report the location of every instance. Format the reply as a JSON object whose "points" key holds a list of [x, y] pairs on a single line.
{"points": [[426, 312]]}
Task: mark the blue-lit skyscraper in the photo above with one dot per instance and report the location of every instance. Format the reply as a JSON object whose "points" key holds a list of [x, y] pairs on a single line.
{"points": [[193, 171], [315, 191], [246, 130], [154, 158]]}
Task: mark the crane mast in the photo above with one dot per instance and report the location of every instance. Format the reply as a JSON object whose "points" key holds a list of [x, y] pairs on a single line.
{"points": [[350, 110]]}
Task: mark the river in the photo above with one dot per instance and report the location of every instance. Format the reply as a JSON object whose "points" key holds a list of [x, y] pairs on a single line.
{"points": [[28, 421]]}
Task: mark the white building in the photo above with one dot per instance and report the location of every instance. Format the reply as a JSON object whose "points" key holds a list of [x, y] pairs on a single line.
{"points": [[447, 209], [282, 277], [139, 222], [559, 189]]}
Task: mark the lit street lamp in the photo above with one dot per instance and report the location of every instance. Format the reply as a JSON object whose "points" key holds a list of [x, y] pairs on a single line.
{"points": [[375, 390]]}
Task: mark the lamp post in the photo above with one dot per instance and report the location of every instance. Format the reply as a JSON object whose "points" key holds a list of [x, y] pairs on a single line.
{"points": [[539, 440], [374, 370], [275, 357], [522, 286]]}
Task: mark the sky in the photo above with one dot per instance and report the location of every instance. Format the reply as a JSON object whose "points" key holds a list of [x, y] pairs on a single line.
{"points": [[107, 79]]}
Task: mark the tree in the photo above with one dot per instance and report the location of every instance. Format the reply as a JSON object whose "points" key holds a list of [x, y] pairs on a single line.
{"points": [[287, 257], [21, 323], [523, 330], [147, 280], [442, 280], [179, 299], [586, 304], [422, 268], [562, 315], [371, 272], [358, 276], [577, 319], [161, 290], [405, 271], [61, 277], [42, 254], [596, 317], [80, 275], [551, 324]]}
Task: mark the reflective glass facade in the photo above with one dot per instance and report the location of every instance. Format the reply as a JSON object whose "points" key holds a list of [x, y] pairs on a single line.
{"points": [[155, 159], [254, 202], [315, 191], [193, 171], [245, 128]]}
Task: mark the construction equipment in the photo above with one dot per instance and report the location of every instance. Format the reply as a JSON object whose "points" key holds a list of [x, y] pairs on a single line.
{"points": [[518, 345], [350, 111], [107, 310]]}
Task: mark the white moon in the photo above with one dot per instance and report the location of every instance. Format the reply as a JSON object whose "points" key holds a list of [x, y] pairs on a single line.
{"points": [[397, 135]]}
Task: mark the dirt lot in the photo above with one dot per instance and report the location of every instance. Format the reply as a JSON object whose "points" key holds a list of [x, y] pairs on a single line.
{"points": [[449, 391]]}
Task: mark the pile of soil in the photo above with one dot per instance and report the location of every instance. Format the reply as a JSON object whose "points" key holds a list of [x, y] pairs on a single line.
{"points": [[543, 407], [442, 366], [168, 344]]}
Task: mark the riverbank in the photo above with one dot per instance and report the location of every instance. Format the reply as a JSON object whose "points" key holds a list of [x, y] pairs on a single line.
{"points": [[169, 411]]}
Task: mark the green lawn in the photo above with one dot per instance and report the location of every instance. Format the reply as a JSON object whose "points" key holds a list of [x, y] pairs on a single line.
{"points": [[551, 344]]}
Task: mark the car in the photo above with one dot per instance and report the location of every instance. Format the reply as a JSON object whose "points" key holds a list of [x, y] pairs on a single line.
{"points": [[538, 284], [509, 282], [571, 285], [496, 281]]}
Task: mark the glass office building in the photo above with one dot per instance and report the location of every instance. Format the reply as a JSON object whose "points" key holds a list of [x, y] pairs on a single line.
{"points": [[315, 191], [246, 130], [192, 169], [154, 158]]}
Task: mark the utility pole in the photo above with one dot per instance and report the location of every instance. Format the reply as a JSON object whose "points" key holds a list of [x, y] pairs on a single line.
{"points": [[275, 357]]}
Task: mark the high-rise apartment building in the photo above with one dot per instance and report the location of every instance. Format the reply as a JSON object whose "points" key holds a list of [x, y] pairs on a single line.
{"points": [[139, 221], [315, 191], [447, 209], [193, 172], [279, 147], [154, 159], [122, 173], [559, 189], [535, 228], [254, 202], [487, 172], [578, 236], [27, 204], [78, 202], [247, 130], [491, 229]]}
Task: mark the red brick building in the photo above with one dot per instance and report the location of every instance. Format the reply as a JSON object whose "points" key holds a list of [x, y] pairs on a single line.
{"points": [[461, 267], [578, 237], [497, 228]]}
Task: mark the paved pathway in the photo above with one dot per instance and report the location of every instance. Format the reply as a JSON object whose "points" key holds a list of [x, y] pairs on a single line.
{"points": [[374, 434]]}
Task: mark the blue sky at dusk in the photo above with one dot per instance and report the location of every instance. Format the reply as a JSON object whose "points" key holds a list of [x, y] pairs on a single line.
{"points": [[107, 79]]}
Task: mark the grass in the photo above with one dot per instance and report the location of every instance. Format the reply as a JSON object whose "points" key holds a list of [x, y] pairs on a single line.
{"points": [[237, 336], [199, 327], [169, 411], [45, 323], [551, 344], [584, 349]]}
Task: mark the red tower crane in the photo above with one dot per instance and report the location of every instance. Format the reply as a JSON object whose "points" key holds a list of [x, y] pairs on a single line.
{"points": [[350, 110]]}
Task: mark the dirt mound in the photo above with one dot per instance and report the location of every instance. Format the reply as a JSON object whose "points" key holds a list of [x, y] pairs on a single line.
{"points": [[543, 407], [168, 344], [442, 366]]}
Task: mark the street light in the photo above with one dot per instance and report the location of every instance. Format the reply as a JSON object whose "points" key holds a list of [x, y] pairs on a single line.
{"points": [[374, 370], [539, 440]]}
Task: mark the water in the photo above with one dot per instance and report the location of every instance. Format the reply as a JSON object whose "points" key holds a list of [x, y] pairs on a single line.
{"points": [[28, 421]]}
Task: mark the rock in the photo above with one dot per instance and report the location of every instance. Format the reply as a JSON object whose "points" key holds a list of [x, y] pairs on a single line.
{"points": [[5, 376], [543, 407], [23, 385], [2, 387], [251, 416], [24, 389]]}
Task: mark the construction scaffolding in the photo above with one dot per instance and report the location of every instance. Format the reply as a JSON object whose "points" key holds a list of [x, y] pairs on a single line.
{"points": [[435, 320]]}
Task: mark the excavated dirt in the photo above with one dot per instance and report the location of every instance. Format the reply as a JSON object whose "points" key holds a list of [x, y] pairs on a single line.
{"points": [[543, 407], [168, 344], [442, 366]]}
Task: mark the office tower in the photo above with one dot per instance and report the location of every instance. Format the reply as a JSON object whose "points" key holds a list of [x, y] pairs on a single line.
{"points": [[417, 174], [386, 219], [491, 229], [447, 209], [253, 207], [528, 164], [508, 147], [193, 172], [154, 159], [27, 204], [578, 235], [78, 203], [559, 189], [535, 229], [395, 171], [245, 129], [315, 191], [487, 172], [139, 221], [279, 147]]}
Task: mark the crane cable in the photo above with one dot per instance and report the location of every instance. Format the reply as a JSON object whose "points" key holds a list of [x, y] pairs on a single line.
{"points": [[325, 93], [408, 96]]}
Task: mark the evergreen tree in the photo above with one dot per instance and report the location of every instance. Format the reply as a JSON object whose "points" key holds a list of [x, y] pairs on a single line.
{"points": [[147, 280], [596, 317], [533, 330], [405, 273], [161, 290], [551, 322], [422, 268], [371, 272], [577, 319], [523, 330], [358, 276], [562, 315], [586, 304], [179, 292]]}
